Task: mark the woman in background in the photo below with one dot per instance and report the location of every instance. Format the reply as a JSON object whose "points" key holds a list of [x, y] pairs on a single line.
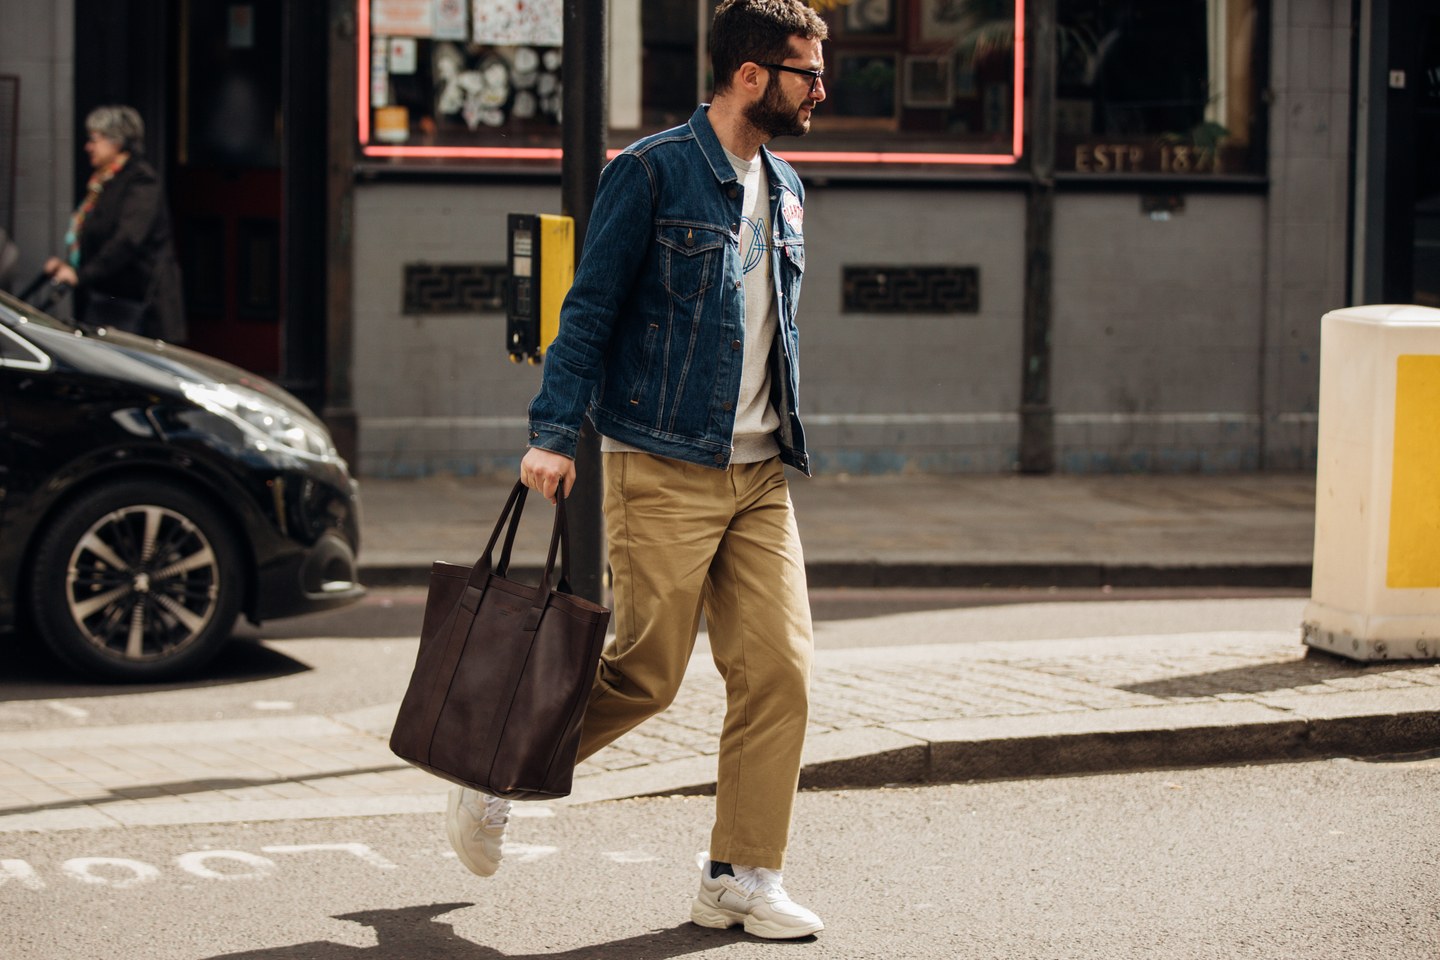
{"points": [[119, 254]]}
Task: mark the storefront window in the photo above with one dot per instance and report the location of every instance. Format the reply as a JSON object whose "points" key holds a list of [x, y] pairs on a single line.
{"points": [[935, 77], [1158, 86], [460, 78], [909, 81]]}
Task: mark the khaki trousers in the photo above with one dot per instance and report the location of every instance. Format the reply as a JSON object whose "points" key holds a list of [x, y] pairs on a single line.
{"points": [[685, 538]]}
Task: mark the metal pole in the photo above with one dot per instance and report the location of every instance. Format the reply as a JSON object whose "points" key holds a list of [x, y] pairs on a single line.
{"points": [[584, 100], [339, 410], [1037, 416]]}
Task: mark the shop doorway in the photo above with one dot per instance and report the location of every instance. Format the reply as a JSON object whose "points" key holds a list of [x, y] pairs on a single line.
{"points": [[1412, 235], [235, 101], [225, 186]]}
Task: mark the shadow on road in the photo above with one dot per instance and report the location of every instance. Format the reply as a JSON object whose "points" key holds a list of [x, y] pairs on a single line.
{"points": [[32, 673], [410, 932]]}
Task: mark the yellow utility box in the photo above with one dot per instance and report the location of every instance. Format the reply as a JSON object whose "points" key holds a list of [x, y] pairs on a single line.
{"points": [[541, 258], [1375, 592]]}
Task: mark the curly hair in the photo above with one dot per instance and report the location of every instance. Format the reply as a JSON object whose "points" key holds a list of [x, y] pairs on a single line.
{"points": [[758, 31]]}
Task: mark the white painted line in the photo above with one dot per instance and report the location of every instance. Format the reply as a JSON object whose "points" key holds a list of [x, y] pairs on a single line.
{"points": [[197, 863], [21, 872], [67, 709], [357, 849], [82, 869]]}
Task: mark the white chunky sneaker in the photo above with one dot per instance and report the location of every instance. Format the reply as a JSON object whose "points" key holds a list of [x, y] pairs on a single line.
{"points": [[476, 824], [755, 898]]}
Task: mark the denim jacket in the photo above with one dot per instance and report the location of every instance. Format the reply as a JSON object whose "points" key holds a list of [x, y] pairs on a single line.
{"points": [[652, 335]]}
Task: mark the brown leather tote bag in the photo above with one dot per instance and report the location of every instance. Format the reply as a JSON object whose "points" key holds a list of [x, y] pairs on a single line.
{"points": [[503, 673]]}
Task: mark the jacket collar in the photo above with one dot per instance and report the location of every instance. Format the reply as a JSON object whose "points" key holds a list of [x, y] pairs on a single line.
{"points": [[714, 153]]}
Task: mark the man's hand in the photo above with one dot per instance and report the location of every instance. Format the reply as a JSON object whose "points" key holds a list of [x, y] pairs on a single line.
{"points": [[544, 470]]}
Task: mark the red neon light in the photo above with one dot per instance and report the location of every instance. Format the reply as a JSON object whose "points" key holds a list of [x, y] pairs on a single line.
{"points": [[492, 153], [1018, 124], [362, 88], [862, 156], [808, 156]]}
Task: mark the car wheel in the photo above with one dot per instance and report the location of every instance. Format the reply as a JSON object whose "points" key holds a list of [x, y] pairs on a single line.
{"points": [[138, 581]]}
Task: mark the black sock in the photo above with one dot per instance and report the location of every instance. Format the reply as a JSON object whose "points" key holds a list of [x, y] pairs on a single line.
{"points": [[717, 868]]}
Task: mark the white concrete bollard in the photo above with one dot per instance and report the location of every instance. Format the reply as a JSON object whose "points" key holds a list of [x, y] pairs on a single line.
{"points": [[1375, 592]]}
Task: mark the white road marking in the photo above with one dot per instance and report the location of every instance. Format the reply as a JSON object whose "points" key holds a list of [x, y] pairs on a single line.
{"points": [[227, 865], [195, 863], [358, 849], [70, 711], [22, 872], [140, 872], [273, 705]]}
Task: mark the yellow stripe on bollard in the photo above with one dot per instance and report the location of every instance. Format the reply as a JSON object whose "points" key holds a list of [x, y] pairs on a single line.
{"points": [[1415, 484]]}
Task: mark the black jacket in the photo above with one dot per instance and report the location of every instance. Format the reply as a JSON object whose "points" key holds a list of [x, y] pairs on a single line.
{"points": [[127, 250]]}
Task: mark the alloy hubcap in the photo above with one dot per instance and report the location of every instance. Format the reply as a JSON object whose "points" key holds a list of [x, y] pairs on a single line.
{"points": [[142, 583]]}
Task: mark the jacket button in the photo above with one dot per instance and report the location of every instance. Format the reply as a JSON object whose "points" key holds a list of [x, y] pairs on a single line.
{"points": [[735, 344], [719, 458], [727, 406], [690, 240], [738, 284], [734, 192]]}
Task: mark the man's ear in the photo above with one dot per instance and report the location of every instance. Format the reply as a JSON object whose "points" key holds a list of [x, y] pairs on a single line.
{"points": [[751, 77]]}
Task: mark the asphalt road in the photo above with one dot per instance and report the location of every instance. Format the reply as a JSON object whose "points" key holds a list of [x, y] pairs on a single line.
{"points": [[1332, 860]]}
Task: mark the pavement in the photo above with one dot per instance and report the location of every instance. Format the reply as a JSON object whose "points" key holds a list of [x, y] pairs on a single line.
{"points": [[920, 530], [939, 695]]}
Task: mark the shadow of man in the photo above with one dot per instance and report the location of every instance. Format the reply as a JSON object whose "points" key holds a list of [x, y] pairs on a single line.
{"points": [[413, 933]]}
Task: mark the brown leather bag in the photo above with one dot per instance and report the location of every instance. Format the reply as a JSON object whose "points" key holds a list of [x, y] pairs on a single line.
{"points": [[503, 673]]}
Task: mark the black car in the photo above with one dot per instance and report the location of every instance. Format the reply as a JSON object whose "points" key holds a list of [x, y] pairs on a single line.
{"points": [[150, 494]]}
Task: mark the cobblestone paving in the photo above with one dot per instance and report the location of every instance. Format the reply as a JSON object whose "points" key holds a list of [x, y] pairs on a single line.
{"points": [[118, 771], [896, 690]]}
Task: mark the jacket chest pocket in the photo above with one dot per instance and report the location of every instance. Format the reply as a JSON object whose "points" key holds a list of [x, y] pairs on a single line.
{"points": [[690, 258], [792, 270], [792, 254]]}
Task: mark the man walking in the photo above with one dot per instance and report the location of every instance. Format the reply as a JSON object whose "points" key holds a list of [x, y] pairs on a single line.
{"points": [[679, 338]]}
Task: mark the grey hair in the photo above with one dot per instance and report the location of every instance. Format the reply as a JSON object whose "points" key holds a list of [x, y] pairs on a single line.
{"points": [[119, 123]]}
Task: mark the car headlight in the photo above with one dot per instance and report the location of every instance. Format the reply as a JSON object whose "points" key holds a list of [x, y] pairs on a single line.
{"points": [[265, 423]]}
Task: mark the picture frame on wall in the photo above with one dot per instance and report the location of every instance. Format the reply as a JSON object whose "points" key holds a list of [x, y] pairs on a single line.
{"points": [[929, 82], [869, 18]]}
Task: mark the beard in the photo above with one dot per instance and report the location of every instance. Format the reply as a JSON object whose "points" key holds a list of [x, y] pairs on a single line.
{"points": [[772, 116]]}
